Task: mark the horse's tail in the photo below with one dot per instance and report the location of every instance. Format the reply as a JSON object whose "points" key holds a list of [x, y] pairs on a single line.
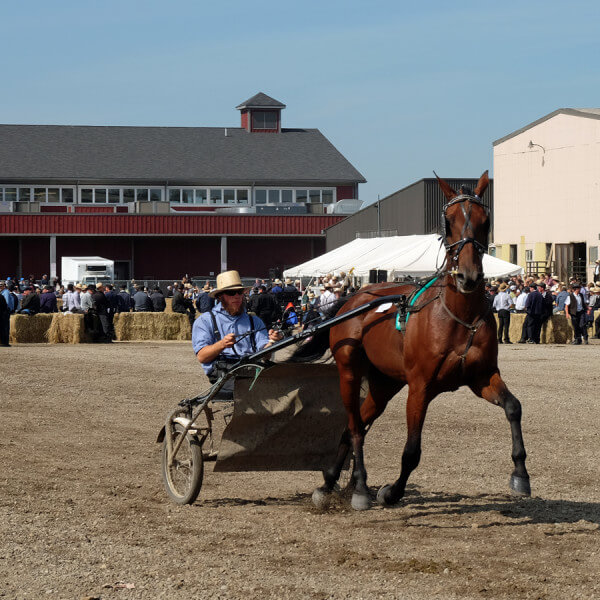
{"points": [[318, 344]]}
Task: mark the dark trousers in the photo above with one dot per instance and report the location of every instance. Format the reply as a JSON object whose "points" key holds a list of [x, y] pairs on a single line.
{"points": [[597, 324], [534, 328], [503, 324], [579, 325], [4, 328]]}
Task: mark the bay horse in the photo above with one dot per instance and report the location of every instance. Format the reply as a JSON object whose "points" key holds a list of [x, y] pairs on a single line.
{"points": [[449, 340]]}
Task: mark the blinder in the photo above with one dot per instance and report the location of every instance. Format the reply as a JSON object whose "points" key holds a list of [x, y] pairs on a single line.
{"points": [[460, 244]]}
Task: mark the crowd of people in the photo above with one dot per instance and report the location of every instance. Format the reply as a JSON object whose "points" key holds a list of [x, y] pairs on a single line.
{"points": [[287, 304], [541, 296]]}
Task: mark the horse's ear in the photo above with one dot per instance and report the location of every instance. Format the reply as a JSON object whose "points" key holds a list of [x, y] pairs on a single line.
{"points": [[482, 184], [446, 189]]}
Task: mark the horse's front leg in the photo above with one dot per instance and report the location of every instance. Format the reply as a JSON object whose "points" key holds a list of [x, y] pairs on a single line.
{"points": [[494, 390], [416, 409]]}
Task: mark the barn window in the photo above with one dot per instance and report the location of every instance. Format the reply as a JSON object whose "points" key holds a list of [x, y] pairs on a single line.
{"points": [[264, 120]]}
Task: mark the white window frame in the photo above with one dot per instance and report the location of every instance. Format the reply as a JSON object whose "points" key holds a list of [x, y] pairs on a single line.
{"points": [[121, 189], [294, 197]]}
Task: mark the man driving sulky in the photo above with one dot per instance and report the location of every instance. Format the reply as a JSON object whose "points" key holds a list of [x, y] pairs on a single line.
{"points": [[226, 333]]}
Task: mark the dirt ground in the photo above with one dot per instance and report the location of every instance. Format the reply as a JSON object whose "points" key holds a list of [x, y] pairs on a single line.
{"points": [[83, 513]]}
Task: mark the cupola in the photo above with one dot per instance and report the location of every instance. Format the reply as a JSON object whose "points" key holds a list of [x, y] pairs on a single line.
{"points": [[261, 114]]}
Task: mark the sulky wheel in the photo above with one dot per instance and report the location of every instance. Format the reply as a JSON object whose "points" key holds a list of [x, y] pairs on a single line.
{"points": [[183, 479]]}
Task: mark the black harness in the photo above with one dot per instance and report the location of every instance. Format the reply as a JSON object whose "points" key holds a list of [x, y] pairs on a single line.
{"points": [[466, 201]]}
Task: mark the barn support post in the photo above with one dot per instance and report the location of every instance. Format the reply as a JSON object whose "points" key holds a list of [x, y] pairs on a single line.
{"points": [[52, 257], [223, 253]]}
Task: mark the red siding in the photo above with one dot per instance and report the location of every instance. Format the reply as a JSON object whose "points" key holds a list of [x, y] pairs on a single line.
{"points": [[259, 225], [245, 119], [344, 192]]}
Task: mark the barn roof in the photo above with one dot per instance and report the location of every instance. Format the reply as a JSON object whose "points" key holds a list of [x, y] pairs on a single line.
{"points": [[261, 100], [588, 113], [177, 155]]}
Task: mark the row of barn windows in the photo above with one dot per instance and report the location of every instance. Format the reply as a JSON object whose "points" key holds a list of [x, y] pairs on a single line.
{"points": [[187, 195]]}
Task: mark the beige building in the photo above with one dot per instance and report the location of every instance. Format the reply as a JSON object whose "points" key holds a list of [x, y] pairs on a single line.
{"points": [[547, 194]]}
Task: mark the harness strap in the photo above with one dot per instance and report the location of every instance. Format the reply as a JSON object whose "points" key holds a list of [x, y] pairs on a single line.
{"points": [[473, 328]]}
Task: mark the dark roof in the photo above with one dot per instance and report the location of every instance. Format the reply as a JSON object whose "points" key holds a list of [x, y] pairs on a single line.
{"points": [[588, 113], [261, 100], [177, 155]]}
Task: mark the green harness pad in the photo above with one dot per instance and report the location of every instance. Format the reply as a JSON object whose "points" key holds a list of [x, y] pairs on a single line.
{"points": [[411, 303]]}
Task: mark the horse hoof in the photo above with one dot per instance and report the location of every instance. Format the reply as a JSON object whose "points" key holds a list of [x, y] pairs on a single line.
{"points": [[320, 498], [361, 502], [519, 486], [383, 494]]}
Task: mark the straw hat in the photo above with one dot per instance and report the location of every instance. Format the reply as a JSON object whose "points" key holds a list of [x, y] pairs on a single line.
{"points": [[311, 296], [288, 281], [207, 288], [229, 280], [99, 286], [78, 286], [502, 287], [277, 281]]}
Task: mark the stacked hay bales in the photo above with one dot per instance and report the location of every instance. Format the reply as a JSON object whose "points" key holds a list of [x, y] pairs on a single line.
{"points": [[25, 329], [557, 330], [152, 326], [67, 328]]}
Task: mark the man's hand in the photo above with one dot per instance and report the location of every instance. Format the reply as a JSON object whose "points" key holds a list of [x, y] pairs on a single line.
{"points": [[275, 336], [228, 341]]}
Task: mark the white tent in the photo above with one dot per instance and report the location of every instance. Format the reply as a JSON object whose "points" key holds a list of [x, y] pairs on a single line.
{"points": [[414, 255]]}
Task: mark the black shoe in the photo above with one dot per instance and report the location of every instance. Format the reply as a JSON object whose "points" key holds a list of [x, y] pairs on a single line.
{"points": [[499, 341], [507, 342], [522, 342], [5, 345], [586, 342], [576, 343], [530, 342]]}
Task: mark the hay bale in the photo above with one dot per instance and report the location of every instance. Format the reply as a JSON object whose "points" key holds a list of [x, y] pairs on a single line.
{"points": [[557, 330], [152, 326], [25, 329], [67, 328]]}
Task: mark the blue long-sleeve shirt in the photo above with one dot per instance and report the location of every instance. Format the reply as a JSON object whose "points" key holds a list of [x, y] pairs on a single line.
{"points": [[203, 334]]}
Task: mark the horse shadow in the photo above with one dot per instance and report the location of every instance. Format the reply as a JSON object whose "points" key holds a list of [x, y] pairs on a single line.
{"points": [[519, 511]]}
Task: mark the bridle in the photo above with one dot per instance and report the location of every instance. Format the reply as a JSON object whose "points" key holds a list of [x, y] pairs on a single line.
{"points": [[455, 248]]}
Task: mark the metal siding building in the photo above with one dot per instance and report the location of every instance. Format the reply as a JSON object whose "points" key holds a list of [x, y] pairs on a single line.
{"points": [[413, 210]]}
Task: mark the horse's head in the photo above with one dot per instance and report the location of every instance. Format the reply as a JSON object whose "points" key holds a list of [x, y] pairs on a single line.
{"points": [[465, 229]]}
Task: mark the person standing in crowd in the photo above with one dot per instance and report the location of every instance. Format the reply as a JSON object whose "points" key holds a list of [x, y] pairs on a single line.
{"points": [[205, 302], [535, 308], [548, 302], [30, 305], [6, 289], [327, 300], [101, 308], [141, 302], [4, 318], [86, 299], [183, 305], [112, 300], [48, 300], [158, 300], [561, 296], [124, 299], [72, 299], [264, 306], [502, 304], [576, 308]]}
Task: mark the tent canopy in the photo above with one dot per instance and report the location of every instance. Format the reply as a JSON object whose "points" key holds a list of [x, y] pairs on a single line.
{"points": [[414, 255]]}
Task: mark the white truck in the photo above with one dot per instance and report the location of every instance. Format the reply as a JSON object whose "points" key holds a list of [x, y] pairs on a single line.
{"points": [[86, 269]]}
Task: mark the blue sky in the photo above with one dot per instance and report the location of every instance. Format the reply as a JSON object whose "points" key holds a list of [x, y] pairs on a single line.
{"points": [[399, 88]]}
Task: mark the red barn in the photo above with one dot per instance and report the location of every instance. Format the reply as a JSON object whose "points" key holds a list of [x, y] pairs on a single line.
{"points": [[163, 201]]}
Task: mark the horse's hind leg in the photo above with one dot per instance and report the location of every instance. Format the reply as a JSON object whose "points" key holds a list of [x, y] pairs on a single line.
{"points": [[381, 390], [494, 390], [416, 409]]}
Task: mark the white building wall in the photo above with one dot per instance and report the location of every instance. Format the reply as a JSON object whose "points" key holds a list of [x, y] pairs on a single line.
{"points": [[548, 194]]}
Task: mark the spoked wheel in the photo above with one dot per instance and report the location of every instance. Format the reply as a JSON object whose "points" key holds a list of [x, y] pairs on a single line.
{"points": [[183, 478]]}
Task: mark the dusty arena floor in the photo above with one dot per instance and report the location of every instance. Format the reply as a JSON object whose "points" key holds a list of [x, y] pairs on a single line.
{"points": [[83, 513]]}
